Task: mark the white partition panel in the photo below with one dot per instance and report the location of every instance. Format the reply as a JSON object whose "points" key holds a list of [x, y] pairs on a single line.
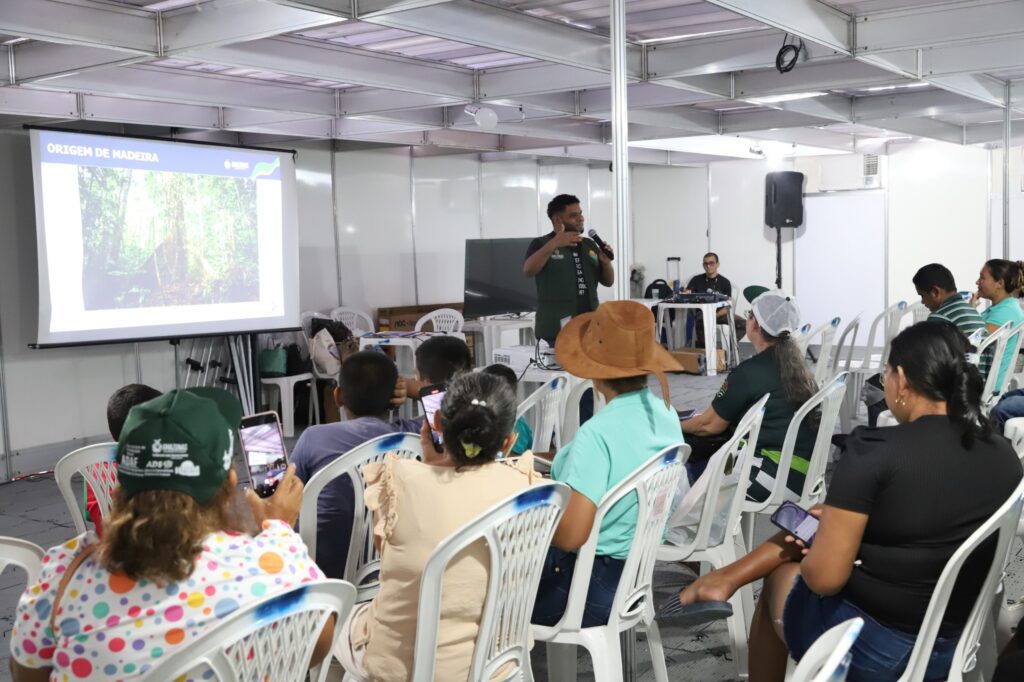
{"points": [[601, 217], [318, 271], [670, 218], [745, 246], [562, 178], [840, 258], [938, 212], [375, 240], [509, 207], [447, 200]]}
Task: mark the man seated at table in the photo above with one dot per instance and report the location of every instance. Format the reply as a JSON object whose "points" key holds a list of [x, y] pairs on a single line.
{"points": [[712, 282]]}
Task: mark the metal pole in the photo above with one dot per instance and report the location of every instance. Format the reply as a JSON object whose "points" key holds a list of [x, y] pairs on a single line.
{"points": [[5, 423], [138, 364], [620, 152], [1007, 110]]}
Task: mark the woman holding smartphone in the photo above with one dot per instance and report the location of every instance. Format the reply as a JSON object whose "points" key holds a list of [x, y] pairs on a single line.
{"points": [[882, 541], [416, 505]]}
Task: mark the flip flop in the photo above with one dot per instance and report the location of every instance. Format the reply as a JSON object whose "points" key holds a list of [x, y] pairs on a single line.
{"points": [[692, 615]]}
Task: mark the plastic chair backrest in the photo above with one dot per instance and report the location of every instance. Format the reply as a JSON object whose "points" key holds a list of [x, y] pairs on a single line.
{"points": [[518, 533], [830, 399], [1013, 430], [547, 425], [1000, 338], [1004, 523], [571, 418], [96, 465], [829, 657], [823, 367], [271, 639], [918, 312], [363, 558], [18, 552], [306, 321], [654, 483], [445, 320], [895, 314], [803, 340], [1014, 340], [738, 452], [659, 288], [846, 342], [356, 320]]}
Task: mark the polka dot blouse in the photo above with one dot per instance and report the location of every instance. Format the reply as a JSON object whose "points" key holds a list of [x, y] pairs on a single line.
{"points": [[116, 628]]}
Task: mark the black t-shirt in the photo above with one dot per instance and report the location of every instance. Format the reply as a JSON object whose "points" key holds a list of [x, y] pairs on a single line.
{"points": [[703, 284], [924, 494], [582, 291], [745, 385]]}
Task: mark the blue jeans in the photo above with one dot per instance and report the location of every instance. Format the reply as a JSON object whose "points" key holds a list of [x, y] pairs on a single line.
{"points": [[556, 579], [1010, 405], [880, 653]]}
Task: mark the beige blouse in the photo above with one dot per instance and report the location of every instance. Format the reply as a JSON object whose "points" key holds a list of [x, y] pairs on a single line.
{"points": [[417, 506]]}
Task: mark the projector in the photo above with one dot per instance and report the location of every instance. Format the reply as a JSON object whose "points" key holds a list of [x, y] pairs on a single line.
{"points": [[516, 357]]}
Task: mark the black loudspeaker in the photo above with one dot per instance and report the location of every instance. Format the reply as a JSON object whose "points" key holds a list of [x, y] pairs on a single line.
{"points": [[784, 199]]}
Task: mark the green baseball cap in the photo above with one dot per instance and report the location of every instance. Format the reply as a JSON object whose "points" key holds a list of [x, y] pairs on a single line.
{"points": [[178, 441], [753, 291]]}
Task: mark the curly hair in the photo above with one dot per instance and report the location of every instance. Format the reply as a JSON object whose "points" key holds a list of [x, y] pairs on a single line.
{"points": [[156, 534]]}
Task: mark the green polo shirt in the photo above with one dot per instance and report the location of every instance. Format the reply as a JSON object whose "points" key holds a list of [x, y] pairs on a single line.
{"points": [[562, 289], [1007, 310], [960, 313], [610, 446]]}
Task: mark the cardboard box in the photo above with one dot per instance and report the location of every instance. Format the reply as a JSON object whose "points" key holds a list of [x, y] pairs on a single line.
{"points": [[693, 360]]}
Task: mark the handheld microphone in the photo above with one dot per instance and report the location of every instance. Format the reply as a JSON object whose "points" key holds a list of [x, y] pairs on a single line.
{"points": [[600, 242]]}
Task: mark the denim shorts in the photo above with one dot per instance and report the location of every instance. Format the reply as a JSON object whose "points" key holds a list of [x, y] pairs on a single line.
{"points": [[556, 579], [880, 653]]}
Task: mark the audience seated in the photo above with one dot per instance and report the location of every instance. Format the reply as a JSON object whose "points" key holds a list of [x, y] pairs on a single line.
{"points": [[364, 391], [120, 403], [438, 359], [524, 434], [416, 505], [883, 541], [172, 562], [614, 346], [937, 288], [777, 368], [1001, 282]]}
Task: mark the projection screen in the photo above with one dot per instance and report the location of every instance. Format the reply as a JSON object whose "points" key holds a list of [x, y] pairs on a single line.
{"points": [[150, 239]]}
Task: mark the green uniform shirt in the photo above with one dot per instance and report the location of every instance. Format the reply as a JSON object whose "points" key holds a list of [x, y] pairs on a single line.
{"points": [[1007, 310], [744, 386], [610, 446], [562, 290]]}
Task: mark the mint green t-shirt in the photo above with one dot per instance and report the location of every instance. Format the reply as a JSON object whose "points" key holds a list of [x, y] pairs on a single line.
{"points": [[610, 446], [1007, 310], [524, 437]]}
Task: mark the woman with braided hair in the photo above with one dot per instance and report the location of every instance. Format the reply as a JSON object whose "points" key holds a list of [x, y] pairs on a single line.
{"points": [[416, 505]]}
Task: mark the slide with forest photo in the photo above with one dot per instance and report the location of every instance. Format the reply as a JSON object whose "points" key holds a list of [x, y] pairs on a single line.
{"points": [[144, 232]]}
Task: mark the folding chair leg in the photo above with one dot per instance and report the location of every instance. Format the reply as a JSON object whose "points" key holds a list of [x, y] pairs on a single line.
{"points": [[562, 661], [288, 409], [606, 656], [657, 651]]}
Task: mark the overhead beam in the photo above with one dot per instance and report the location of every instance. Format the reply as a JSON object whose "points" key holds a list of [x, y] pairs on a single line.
{"points": [[922, 127], [937, 25], [367, 9], [537, 80], [992, 133], [221, 22], [37, 60], [808, 19], [81, 22], [810, 78], [508, 30], [912, 105]]}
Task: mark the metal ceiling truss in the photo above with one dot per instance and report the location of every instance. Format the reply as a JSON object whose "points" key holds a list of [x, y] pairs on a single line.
{"points": [[87, 61]]}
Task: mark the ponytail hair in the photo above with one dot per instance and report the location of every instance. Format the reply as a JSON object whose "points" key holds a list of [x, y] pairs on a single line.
{"points": [[477, 415], [797, 381], [1010, 273], [933, 355]]}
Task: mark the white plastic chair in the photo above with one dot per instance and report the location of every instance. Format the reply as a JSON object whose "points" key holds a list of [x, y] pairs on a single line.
{"points": [[653, 483], [363, 563], [1002, 523], [827, 335], [571, 418], [830, 399], [828, 659], [547, 422], [1012, 342], [997, 341], [356, 320], [841, 363], [737, 453], [875, 355], [446, 320], [271, 639], [1013, 429], [518, 533], [22, 553], [285, 386], [97, 466]]}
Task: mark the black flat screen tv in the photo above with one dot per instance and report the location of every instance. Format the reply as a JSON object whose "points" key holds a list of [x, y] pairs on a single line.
{"points": [[495, 283]]}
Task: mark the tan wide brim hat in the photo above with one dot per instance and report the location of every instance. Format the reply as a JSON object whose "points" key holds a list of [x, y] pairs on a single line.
{"points": [[613, 342]]}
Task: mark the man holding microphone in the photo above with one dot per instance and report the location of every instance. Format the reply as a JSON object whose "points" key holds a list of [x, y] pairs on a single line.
{"points": [[568, 268]]}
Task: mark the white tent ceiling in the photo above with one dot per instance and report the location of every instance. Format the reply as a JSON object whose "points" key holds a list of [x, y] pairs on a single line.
{"points": [[402, 71]]}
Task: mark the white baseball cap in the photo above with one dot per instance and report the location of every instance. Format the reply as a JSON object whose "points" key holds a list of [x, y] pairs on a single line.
{"points": [[776, 311]]}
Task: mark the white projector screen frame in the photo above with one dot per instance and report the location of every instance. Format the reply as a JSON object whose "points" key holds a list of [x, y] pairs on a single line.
{"points": [[86, 301]]}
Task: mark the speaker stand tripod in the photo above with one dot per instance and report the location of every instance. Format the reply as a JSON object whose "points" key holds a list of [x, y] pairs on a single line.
{"points": [[778, 257]]}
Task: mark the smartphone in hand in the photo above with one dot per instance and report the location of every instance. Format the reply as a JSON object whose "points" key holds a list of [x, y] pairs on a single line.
{"points": [[431, 397], [266, 458], [796, 521]]}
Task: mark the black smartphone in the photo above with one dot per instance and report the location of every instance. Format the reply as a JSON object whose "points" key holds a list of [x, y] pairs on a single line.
{"points": [[685, 414], [796, 521], [266, 458], [430, 398]]}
